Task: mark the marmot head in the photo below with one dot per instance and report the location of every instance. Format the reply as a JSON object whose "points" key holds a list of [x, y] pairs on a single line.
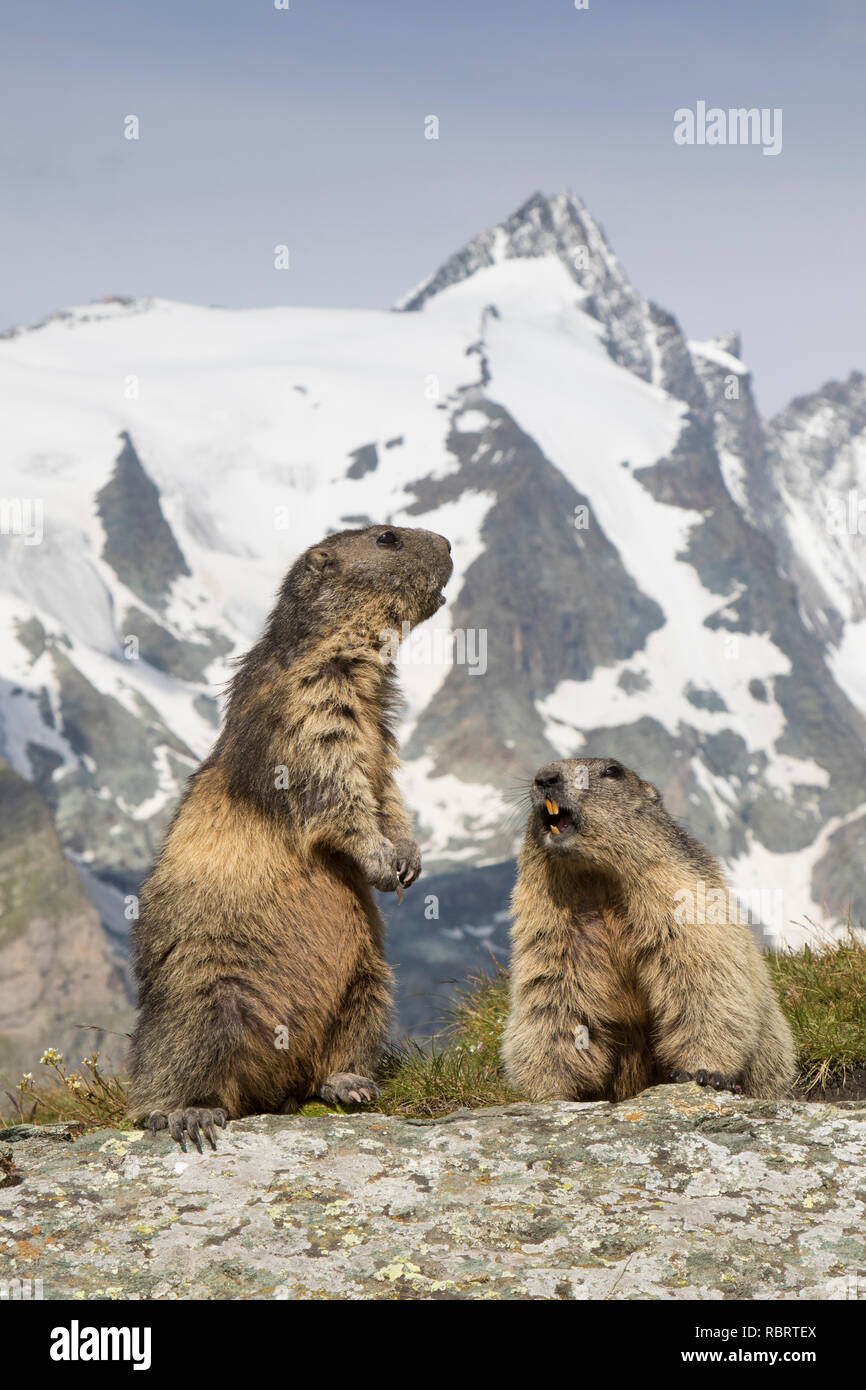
{"points": [[597, 812], [376, 578]]}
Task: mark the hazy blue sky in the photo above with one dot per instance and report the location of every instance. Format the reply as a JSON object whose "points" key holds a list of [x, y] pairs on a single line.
{"points": [[261, 126]]}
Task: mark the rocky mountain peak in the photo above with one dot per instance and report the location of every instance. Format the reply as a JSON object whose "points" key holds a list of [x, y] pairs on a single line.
{"points": [[559, 227]]}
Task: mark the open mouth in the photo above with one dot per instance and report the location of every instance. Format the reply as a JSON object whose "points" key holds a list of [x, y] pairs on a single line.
{"points": [[555, 818]]}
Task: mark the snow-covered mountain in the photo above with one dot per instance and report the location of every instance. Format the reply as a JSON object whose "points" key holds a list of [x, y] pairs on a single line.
{"points": [[643, 567]]}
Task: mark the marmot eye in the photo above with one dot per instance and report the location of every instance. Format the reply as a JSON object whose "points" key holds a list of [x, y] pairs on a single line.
{"points": [[611, 771], [387, 538]]}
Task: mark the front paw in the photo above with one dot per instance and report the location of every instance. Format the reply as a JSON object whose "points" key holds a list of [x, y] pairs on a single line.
{"points": [[379, 862], [716, 1079], [408, 861], [346, 1087]]}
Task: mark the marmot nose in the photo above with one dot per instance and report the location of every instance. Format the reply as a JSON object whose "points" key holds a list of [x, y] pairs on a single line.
{"points": [[546, 778]]}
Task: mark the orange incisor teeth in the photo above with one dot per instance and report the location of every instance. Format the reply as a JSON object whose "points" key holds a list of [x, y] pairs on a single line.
{"points": [[552, 807]]}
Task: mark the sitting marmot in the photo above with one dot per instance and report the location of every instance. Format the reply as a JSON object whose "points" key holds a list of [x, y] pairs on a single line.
{"points": [[629, 964]]}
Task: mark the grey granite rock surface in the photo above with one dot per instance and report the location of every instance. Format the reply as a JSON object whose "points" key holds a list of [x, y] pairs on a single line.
{"points": [[677, 1194]]}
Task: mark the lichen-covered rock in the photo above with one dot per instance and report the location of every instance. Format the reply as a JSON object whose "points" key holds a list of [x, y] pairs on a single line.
{"points": [[677, 1194]]}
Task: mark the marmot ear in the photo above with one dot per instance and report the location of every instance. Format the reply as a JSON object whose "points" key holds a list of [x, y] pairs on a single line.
{"points": [[319, 560], [652, 793]]}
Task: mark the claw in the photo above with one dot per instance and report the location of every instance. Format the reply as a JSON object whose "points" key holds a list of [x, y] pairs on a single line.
{"points": [[193, 1130], [191, 1122], [716, 1079], [725, 1083], [175, 1128]]}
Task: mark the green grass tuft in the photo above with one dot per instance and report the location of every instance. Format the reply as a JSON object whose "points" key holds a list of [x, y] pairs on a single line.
{"points": [[823, 995], [460, 1069]]}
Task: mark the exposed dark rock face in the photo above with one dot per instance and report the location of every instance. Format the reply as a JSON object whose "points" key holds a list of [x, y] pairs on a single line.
{"points": [[816, 464], [675, 367], [115, 749], [139, 544], [550, 592], [56, 968], [364, 460], [740, 564], [838, 876], [188, 660], [31, 635]]}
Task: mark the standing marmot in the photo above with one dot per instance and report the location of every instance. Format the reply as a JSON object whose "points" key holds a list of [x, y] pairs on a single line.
{"points": [[259, 946], [629, 966]]}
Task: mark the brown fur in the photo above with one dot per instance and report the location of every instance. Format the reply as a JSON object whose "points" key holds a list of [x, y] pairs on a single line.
{"points": [[599, 942], [259, 914]]}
